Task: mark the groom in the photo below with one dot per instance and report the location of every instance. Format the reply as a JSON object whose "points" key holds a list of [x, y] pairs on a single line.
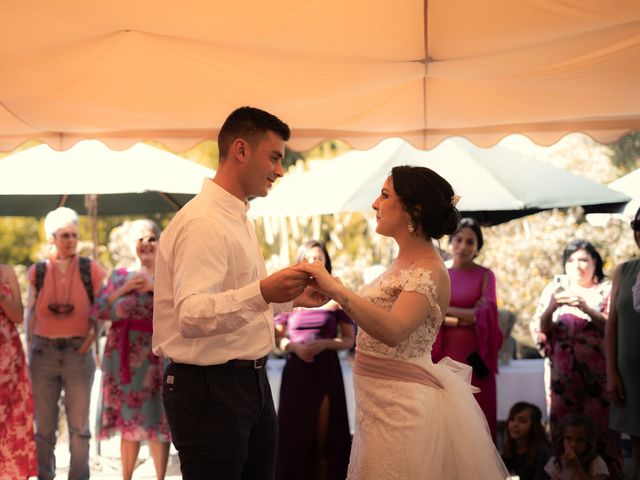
{"points": [[214, 306]]}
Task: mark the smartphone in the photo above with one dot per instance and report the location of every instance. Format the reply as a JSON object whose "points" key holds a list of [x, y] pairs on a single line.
{"points": [[561, 283]]}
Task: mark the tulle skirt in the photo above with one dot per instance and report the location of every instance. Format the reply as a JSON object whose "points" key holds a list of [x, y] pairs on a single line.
{"points": [[432, 429]]}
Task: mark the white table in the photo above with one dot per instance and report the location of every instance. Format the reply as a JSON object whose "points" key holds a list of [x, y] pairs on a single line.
{"points": [[521, 381]]}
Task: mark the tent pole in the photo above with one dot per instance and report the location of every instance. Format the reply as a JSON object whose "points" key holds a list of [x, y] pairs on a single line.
{"points": [[170, 200], [91, 204]]}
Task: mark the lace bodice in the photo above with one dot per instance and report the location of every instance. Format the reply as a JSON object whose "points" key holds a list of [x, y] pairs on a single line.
{"points": [[383, 292]]}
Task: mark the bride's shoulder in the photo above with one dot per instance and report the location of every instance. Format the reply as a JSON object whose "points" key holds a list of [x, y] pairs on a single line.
{"points": [[434, 268]]}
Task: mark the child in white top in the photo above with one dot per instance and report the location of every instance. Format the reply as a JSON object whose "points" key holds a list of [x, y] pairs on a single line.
{"points": [[575, 453]]}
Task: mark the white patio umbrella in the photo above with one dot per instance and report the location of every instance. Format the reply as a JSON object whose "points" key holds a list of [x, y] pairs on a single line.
{"points": [[630, 185], [496, 184], [139, 180]]}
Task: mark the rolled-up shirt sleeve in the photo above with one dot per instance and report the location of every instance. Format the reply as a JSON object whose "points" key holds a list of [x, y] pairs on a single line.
{"points": [[208, 298]]}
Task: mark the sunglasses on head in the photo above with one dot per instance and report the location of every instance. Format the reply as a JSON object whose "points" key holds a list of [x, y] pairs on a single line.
{"points": [[60, 308], [67, 235], [149, 239], [635, 225]]}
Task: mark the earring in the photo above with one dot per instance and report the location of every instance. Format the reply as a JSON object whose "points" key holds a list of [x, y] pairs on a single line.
{"points": [[411, 227]]}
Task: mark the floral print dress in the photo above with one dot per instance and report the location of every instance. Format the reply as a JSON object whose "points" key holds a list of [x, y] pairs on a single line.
{"points": [[131, 402], [17, 443], [575, 349]]}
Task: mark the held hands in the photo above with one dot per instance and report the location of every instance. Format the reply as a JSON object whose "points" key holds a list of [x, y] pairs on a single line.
{"points": [[284, 285], [310, 298], [320, 279]]}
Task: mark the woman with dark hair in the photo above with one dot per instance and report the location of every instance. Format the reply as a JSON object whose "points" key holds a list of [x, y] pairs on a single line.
{"points": [[414, 418], [313, 428], [572, 313], [471, 332], [623, 354], [526, 448]]}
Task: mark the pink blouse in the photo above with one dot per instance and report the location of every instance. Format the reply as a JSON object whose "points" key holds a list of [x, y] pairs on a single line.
{"points": [[68, 289]]}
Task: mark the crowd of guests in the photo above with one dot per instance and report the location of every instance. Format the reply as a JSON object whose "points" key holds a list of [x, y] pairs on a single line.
{"points": [[586, 326]]}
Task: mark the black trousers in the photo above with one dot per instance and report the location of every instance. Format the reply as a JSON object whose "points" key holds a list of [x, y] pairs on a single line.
{"points": [[222, 420]]}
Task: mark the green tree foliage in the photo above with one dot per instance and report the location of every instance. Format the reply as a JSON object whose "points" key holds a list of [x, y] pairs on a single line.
{"points": [[625, 153], [19, 239]]}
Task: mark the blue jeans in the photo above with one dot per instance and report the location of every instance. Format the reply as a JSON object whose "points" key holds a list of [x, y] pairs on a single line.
{"points": [[54, 365]]}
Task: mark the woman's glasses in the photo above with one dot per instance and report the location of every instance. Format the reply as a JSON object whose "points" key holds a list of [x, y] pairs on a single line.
{"points": [[67, 235], [60, 308], [635, 225], [149, 239]]}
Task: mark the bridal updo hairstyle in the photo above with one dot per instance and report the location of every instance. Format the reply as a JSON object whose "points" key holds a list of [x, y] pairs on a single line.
{"points": [[428, 199]]}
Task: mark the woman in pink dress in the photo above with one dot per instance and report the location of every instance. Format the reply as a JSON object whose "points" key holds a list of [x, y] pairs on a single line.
{"points": [[471, 332], [17, 443]]}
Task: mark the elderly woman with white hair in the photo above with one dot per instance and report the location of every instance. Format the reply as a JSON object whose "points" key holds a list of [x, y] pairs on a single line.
{"points": [[59, 296], [131, 374]]}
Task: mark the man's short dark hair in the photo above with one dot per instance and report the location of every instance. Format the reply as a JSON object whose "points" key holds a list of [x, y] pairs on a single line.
{"points": [[249, 124]]}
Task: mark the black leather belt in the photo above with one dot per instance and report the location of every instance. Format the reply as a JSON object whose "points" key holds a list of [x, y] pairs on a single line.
{"points": [[255, 364]]}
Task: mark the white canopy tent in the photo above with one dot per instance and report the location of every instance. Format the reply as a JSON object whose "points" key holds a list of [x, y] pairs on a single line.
{"points": [[121, 71], [496, 184]]}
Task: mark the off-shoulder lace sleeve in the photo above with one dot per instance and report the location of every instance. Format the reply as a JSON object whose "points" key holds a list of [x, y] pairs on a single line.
{"points": [[419, 281]]}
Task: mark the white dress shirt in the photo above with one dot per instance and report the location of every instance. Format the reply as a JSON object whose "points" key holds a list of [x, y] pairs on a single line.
{"points": [[208, 307]]}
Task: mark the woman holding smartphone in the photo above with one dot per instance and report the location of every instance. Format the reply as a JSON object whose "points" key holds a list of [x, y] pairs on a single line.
{"points": [[571, 317]]}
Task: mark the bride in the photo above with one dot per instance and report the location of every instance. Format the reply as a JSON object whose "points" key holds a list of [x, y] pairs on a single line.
{"points": [[414, 419]]}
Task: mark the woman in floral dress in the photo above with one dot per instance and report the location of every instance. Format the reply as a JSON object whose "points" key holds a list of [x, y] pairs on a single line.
{"points": [[571, 321], [17, 443], [132, 375]]}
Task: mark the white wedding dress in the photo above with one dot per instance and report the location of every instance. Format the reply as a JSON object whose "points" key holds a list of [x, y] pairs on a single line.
{"points": [[407, 430]]}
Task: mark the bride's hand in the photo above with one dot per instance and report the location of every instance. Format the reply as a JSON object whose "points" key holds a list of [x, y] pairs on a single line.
{"points": [[310, 298], [321, 280]]}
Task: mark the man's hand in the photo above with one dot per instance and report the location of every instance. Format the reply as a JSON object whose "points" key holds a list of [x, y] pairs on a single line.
{"points": [[321, 279], [283, 285]]}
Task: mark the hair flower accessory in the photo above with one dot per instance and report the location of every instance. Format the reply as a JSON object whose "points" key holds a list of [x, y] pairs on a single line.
{"points": [[455, 199]]}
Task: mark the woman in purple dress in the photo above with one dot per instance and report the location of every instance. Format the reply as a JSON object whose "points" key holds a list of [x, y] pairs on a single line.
{"points": [[471, 332], [313, 427]]}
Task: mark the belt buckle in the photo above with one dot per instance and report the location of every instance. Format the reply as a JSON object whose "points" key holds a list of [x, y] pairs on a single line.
{"points": [[258, 363]]}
